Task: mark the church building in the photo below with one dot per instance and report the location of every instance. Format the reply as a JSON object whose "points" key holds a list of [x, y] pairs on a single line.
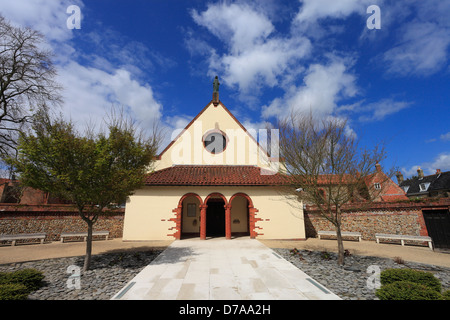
{"points": [[213, 180]]}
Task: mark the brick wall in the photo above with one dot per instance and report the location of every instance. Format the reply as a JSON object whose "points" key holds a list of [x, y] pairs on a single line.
{"points": [[54, 220], [396, 218]]}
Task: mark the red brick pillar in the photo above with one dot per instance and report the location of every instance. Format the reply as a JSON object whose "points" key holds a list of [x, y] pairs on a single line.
{"points": [[203, 222], [177, 220], [228, 221], [252, 221]]}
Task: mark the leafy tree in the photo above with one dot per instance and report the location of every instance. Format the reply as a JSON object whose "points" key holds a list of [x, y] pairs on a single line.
{"points": [[93, 171]]}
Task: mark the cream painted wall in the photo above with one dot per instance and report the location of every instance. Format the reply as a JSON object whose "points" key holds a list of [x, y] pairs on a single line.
{"points": [[149, 210], [282, 218], [191, 224], [239, 215], [188, 148]]}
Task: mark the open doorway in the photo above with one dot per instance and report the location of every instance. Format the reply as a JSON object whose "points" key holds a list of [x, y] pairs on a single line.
{"points": [[215, 218]]}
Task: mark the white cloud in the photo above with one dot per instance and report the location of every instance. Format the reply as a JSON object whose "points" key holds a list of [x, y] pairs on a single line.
{"points": [[445, 137], [422, 49], [442, 162], [90, 93], [407, 173], [324, 86], [313, 10], [423, 41], [48, 17], [375, 111], [381, 109], [240, 26], [256, 55], [93, 86]]}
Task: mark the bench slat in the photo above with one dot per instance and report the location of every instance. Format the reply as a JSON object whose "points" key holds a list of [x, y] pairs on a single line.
{"points": [[402, 238], [343, 233], [83, 234], [22, 236]]}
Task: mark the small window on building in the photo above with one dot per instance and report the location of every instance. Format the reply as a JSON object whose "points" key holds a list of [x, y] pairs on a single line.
{"points": [[377, 186], [215, 142], [191, 210], [406, 188], [424, 186]]}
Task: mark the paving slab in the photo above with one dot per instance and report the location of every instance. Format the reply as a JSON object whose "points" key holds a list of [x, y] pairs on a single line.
{"points": [[220, 269]]}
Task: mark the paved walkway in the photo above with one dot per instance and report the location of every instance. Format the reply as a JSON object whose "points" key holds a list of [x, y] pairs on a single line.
{"points": [[219, 269]]}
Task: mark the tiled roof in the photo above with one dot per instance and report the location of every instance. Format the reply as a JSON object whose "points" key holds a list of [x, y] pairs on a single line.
{"points": [[217, 175], [439, 181]]}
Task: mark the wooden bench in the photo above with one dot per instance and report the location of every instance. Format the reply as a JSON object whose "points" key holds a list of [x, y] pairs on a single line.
{"points": [[402, 238], [83, 234], [344, 234], [22, 236]]}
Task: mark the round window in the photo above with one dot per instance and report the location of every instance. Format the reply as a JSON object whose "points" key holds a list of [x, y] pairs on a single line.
{"points": [[215, 142]]}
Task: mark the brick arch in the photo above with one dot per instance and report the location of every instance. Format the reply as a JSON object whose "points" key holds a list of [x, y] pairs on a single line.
{"points": [[190, 194], [251, 212], [216, 194], [241, 194], [179, 213]]}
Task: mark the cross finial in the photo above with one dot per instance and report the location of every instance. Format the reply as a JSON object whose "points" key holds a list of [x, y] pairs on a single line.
{"points": [[216, 84], [216, 91]]}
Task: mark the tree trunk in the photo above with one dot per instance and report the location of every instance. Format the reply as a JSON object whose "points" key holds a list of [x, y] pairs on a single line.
{"points": [[87, 258], [340, 246], [339, 237]]}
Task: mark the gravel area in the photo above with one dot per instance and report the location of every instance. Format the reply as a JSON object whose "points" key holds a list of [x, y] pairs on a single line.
{"points": [[108, 275], [111, 272], [350, 282]]}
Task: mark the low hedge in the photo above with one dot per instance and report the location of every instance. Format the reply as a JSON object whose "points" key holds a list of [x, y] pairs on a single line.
{"points": [[13, 291], [408, 284], [405, 290], [446, 295], [18, 284], [420, 277]]}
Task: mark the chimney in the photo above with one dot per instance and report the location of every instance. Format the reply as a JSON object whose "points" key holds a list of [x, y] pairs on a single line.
{"points": [[420, 173], [438, 171], [378, 167], [399, 177], [215, 98]]}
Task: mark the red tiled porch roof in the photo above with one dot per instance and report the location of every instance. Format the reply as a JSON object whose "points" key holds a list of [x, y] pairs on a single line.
{"points": [[212, 175]]}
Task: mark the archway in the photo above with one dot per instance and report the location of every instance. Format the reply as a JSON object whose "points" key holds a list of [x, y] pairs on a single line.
{"points": [[215, 216], [240, 218], [187, 217], [250, 212]]}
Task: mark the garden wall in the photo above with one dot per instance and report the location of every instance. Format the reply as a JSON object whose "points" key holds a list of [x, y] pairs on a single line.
{"points": [[54, 220], [397, 218]]}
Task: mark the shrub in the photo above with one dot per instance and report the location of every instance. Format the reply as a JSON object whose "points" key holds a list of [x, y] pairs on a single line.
{"points": [[13, 291], [390, 276], [446, 295], [405, 290], [30, 278]]}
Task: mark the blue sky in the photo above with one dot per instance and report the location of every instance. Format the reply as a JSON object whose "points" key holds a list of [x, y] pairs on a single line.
{"points": [[158, 60]]}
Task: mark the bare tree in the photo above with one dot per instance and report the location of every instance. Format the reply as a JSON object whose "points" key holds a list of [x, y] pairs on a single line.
{"points": [[325, 167], [26, 81]]}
